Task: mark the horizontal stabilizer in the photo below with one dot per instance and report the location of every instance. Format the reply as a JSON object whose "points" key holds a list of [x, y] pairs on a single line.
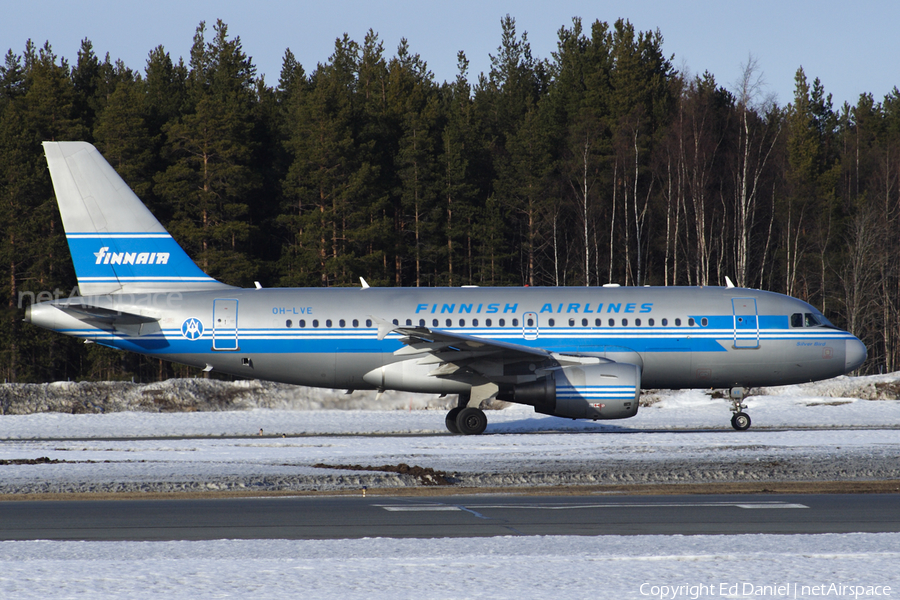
{"points": [[105, 315], [113, 321]]}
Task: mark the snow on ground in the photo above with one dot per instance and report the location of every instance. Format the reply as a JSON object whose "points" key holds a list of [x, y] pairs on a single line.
{"points": [[745, 566], [797, 432], [872, 401], [802, 433]]}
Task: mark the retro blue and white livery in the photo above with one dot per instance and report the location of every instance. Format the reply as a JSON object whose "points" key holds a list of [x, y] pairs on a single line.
{"points": [[581, 353]]}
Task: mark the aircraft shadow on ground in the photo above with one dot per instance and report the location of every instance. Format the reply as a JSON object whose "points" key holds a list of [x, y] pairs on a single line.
{"points": [[536, 426]]}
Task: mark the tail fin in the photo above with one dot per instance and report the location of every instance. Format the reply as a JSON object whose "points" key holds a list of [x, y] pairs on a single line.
{"points": [[117, 245]]}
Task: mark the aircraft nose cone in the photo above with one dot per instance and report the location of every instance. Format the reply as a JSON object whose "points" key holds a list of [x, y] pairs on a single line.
{"points": [[855, 355]]}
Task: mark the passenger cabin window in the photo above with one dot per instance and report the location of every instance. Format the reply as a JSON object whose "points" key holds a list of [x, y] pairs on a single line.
{"points": [[474, 322], [368, 322], [530, 322], [315, 322], [677, 322], [288, 323], [449, 322], [691, 322], [571, 322], [551, 322], [487, 322], [612, 322], [328, 323], [637, 322], [302, 323], [624, 322], [651, 322], [462, 322], [342, 323], [665, 322], [502, 322], [704, 321], [421, 322], [356, 322], [515, 322], [598, 323], [435, 322], [584, 322]]}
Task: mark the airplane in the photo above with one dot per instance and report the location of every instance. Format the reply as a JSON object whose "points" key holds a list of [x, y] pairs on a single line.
{"points": [[578, 353]]}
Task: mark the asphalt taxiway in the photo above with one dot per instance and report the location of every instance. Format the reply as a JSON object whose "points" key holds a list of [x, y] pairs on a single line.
{"points": [[342, 517]]}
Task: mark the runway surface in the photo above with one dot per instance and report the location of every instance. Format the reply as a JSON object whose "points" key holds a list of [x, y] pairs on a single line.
{"points": [[332, 517]]}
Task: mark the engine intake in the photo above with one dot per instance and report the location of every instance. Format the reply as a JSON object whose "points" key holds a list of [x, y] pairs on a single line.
{"points": [[605, 391]]}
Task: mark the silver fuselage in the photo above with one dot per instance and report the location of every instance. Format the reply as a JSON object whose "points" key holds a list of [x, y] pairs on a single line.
{"points": [[680, 337]]}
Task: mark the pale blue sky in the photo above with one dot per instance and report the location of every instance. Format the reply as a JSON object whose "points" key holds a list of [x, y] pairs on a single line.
{"points": [[851, 47]]}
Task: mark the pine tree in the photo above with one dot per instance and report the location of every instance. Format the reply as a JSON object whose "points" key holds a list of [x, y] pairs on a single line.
{"points": [[414, 102], [328, 184], [123, 138], [210, 185], [38, 105]]}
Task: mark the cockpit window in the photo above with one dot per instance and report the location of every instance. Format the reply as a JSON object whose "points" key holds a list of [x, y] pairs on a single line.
{"points": [[810, 320], [824, 321]]}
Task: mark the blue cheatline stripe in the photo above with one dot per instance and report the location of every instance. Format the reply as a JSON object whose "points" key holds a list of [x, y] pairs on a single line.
{"points": [[116, 236], [612, 335], [152, 279], [577, 393], [354, 340]]}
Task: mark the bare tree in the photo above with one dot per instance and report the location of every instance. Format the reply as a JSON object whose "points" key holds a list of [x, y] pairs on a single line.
{"points": [[757, 135], [860, 273]]}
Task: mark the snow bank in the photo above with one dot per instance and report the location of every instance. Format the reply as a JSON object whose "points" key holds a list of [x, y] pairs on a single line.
{"points": [[193, 395]]}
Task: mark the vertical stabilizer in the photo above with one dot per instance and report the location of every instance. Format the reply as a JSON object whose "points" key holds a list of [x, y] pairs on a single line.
{"points": [[117, 245]]}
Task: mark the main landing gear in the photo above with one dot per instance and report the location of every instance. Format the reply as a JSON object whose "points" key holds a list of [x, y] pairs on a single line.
{"points": [[739, 420], [464, 419]]}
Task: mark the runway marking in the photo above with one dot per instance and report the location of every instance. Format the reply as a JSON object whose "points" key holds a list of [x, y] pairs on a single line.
{"points": [[431, 508], [472, 508], [769, 505], [420, 508]]}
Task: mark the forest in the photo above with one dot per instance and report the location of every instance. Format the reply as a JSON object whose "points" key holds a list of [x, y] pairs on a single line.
{"points": [[601, 163]]}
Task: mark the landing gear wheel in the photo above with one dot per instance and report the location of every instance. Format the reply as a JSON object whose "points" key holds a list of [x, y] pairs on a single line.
{"points": [[740, 421], [450, 420], [471, 421]]}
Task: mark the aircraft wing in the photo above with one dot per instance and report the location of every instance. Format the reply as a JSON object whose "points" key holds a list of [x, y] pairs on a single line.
{"points": [[450, 352], [444, 344]]}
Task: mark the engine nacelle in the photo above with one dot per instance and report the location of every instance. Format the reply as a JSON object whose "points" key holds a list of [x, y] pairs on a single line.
{"points": [[605, 391]]}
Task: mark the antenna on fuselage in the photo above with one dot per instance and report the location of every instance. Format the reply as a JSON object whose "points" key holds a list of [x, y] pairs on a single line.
{"points": [[728, 283], [364, 284]]}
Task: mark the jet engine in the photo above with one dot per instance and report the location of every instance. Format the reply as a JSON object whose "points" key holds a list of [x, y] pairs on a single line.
{"points": [[605, 391]]}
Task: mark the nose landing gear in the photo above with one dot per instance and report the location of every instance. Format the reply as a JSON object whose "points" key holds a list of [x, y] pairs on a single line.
{"points": [[739, 420]]}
